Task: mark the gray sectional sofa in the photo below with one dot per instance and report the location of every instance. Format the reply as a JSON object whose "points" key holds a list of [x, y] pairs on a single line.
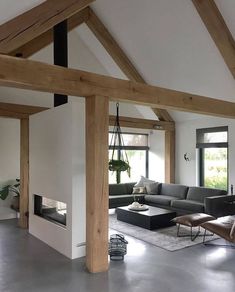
{"points": [[180, 198]]}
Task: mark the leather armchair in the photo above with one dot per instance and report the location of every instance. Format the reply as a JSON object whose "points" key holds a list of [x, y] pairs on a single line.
{"points": [[224, 227]]}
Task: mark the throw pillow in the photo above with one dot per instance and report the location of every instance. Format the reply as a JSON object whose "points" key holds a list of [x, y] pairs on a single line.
{"points": [[136, 190], [143, 180], [139, 190], [152, 188], [142, 190]]}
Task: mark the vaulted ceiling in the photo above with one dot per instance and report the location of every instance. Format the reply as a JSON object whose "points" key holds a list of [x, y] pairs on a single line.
{"points": [[166, 41]]}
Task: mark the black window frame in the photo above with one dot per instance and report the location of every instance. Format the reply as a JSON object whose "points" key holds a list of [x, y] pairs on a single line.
{"points": [[146, 148], [202, 146]]}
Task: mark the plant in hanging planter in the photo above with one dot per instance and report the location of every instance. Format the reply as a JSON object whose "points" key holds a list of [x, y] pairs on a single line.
{"points": [[119, 165], [117, 144]]}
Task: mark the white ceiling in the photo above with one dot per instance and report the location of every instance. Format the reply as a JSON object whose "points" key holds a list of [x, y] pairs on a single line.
{"points": [[165, 39]]}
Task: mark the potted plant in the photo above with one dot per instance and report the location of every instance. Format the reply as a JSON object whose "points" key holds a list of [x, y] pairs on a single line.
{"points": [[119, 166], [15, 190]]}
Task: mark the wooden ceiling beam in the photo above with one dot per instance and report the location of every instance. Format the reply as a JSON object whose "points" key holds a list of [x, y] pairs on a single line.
{"points": [[218, 30], [46, 38], [142, 123], [18, 111], [29, 25], [33, 75], [119, 56]]}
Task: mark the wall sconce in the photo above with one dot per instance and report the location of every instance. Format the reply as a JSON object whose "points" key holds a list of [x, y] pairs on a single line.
{"points": [[186, 157]]}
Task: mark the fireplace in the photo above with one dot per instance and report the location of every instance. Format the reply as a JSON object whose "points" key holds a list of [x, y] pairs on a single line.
{"points": [[51, 210]]}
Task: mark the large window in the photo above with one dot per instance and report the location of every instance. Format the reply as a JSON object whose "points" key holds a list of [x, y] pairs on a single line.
{"points": [[213, 157], [136, 147]]}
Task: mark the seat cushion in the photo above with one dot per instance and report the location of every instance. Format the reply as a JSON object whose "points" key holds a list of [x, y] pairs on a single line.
{"points": [[159, 199], [194, 219], [200, 193], [189, 205], [174, 190], [123, 200]]}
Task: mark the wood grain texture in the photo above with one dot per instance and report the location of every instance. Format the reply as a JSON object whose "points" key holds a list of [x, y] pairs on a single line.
{"points": [[119, 56], [170, 156], [18, 111], [29, 25], [97, 184], [24, 173], [218, 30], [142, 123], [46, 38], [28, 74]]}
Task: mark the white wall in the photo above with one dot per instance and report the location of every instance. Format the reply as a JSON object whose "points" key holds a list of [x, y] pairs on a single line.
{"points": [[186, 172], [57, 171], [9, 160]]}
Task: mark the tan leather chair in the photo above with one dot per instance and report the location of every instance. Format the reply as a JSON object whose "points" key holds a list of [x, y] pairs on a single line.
{"points": [[223, 226]]}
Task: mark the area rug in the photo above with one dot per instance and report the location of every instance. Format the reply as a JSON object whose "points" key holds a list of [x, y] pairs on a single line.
{"points": [[164, 238]]}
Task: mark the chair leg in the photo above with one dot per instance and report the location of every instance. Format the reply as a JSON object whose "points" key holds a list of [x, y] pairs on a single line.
{"points": [[193, 237]]}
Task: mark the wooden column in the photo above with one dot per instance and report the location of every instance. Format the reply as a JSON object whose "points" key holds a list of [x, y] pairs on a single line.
{"points": [[97, 121], [24, 172], [170, 156]]}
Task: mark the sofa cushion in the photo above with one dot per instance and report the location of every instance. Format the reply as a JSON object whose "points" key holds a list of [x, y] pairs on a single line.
{"points": [[200, 193], [174, 190], [129, 187], [123, 200], [152, 188], [117, 189], [159, 199], [143, 181], [189, 205]]}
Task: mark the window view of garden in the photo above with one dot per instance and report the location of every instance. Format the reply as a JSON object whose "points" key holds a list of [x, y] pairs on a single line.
{"points": [[215, 168]]}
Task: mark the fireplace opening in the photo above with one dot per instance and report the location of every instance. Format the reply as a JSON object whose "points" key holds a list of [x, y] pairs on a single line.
{"points": [[54, 211]]}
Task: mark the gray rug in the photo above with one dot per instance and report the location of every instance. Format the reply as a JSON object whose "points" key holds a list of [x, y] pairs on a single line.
{"points": [[164, 238]]}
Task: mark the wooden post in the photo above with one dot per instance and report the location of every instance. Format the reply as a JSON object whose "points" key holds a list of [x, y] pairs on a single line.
{"points": [[97, 121], [24, 172], [169, 156]]}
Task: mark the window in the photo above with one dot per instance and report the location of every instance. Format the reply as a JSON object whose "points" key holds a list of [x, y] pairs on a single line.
{"points": [[136, 147], [213, 157]]}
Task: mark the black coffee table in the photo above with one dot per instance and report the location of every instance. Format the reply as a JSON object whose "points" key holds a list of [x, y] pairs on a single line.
{"points": [[152, 218]]}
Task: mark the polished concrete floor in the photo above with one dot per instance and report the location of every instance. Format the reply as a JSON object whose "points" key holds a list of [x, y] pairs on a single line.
{"points": [[27, 264]]}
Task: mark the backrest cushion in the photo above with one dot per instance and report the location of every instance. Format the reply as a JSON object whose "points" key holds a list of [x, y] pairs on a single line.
{"points": [[129, 187], [152, 188], [200, 193], [117, 189], [174, 190]]}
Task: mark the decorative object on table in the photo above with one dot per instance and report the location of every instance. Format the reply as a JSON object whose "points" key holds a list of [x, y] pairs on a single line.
{"points": [[117, 143], [117, 247], [231, 189], [135, 206]]}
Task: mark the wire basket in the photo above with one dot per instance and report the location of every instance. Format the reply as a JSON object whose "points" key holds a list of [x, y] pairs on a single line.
{"points": [[117, 247]]}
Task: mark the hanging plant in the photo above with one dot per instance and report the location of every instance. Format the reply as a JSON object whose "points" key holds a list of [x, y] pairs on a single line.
{"points": [[119, 165], [117, 144]]}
